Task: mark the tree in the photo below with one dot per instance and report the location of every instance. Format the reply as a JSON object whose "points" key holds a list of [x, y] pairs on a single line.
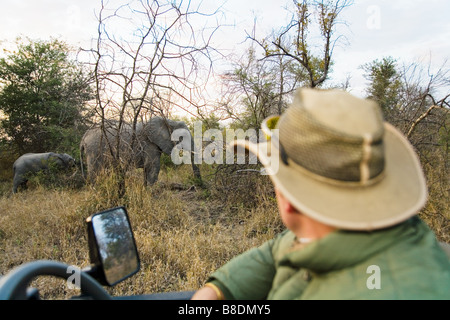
{"points": [[415, 98], [42, 96], [412, 98], [425, 120], [250, 92], [293, 41], [260, 87], [148, 54], [384, 85]]}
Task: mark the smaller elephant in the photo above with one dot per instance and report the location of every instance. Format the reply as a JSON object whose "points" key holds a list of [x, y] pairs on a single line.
{"points": [[30, 163]]}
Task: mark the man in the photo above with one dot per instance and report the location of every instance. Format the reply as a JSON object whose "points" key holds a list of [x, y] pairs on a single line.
{"points": [[349, 187]]}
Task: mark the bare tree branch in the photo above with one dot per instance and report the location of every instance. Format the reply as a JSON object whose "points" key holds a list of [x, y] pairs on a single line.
{"points": [[148, 57], [293, 42]]}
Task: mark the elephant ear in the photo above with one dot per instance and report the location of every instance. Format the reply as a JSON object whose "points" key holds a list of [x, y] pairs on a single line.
{"points": [[68, 159], [65, 158], [159, 131]]}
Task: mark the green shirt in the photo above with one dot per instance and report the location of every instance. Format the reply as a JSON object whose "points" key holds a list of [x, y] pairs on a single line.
{"points": [[404, 263]]}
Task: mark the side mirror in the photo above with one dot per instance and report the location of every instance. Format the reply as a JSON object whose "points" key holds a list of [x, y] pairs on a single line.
{"points": [[112, 247]]}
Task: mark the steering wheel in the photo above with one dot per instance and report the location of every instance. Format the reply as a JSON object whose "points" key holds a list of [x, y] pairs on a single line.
{"points": [[13, 286]]}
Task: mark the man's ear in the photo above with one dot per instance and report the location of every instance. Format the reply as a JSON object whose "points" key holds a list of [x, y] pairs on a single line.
{"points": [[284, 203], [290, 208]]}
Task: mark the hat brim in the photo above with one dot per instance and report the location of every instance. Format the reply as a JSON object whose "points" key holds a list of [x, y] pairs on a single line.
{"points": [[397, 197]]}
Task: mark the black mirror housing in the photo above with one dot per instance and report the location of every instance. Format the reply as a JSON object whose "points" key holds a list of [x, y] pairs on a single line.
{"points": [[112, 247]]}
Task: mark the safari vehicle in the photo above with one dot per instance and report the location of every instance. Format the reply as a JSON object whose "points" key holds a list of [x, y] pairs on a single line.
{"points": [[114, 258]]}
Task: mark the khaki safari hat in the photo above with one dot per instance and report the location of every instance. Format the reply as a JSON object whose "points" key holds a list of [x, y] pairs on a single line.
{"points": [[336, 160]]}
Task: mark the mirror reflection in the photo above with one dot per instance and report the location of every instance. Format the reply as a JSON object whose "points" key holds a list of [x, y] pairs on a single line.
{"points": [[116, 245]]}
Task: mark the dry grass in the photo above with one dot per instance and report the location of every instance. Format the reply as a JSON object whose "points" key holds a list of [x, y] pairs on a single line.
{"points": [[183, 233], [437, 211]]}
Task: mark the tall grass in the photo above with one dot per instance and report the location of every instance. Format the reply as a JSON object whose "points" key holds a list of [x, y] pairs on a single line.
{"points": [[183, 232]]}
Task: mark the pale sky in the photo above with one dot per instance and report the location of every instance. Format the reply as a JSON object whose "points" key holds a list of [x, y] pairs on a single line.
{"points": [[408, 30]]}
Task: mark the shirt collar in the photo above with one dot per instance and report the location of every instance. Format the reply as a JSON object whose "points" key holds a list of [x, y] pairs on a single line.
{"points": [[342, 249]]}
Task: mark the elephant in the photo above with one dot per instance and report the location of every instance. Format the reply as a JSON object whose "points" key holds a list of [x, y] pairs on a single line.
{"points": [[30, 163], [153, 138]]}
